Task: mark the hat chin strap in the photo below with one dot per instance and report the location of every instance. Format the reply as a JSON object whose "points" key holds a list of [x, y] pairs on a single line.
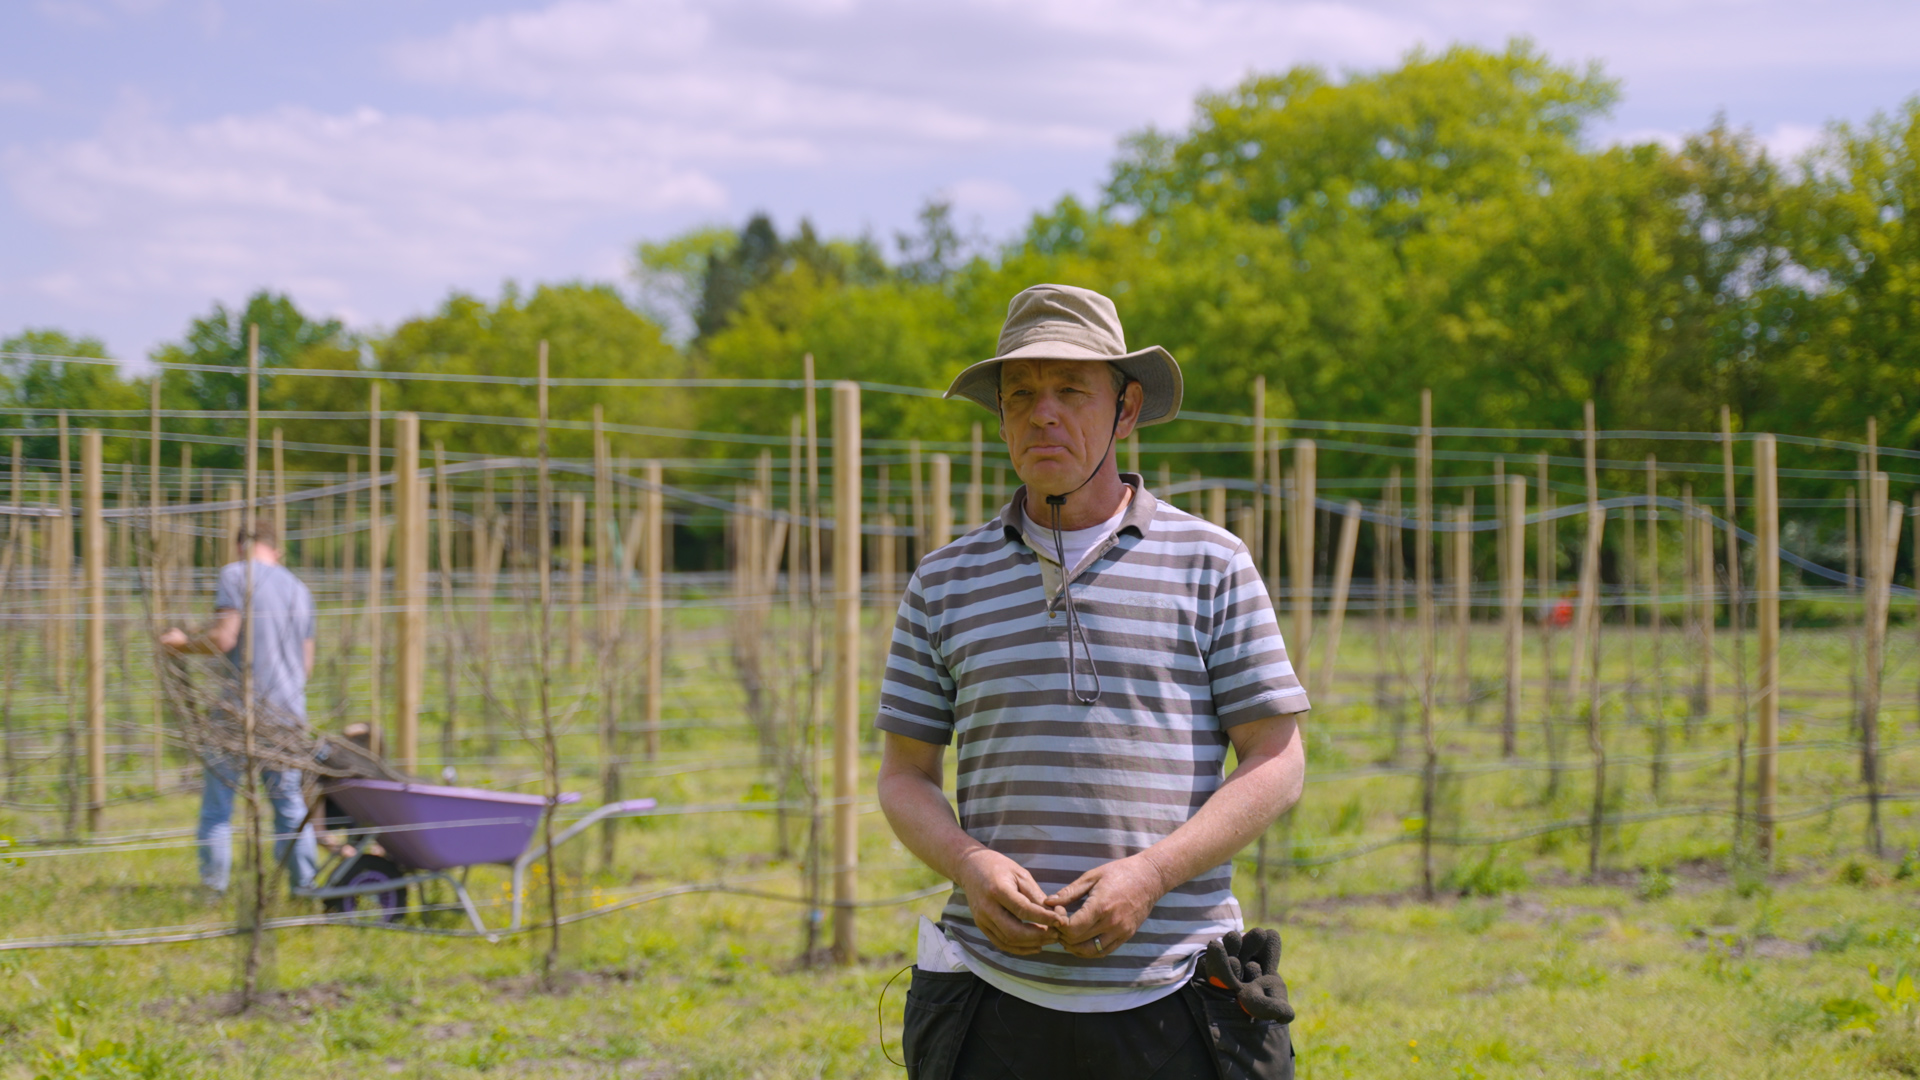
{"points": [[1076, 631]]}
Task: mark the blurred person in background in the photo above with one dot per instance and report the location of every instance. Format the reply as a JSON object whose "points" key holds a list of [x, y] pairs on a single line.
{"points": [[282, 650], [1091, 652]]}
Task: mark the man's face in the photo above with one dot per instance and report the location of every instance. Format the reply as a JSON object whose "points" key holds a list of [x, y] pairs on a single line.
{"points": [[1057, 417]]}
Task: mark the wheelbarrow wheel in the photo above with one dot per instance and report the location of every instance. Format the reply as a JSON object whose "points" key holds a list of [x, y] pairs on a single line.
{"points": [[368, 870]]}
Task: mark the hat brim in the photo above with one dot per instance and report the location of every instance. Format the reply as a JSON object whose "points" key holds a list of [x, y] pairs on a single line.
{"points": [[1152, 367]]}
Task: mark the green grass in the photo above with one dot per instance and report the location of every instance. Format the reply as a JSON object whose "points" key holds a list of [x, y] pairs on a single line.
{"points": [[1670, 964]]}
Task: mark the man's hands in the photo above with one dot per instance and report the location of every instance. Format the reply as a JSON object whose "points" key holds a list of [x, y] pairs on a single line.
{"points": [[1010, 908], [1118, 897], [1008, 905], [174, 638]]}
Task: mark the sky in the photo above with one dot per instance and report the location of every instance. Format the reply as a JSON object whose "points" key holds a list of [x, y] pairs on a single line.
{"points": [[368, 158]]}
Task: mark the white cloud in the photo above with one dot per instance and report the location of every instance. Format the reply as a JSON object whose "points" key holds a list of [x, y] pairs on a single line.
{"points": [[1786, 142], [333, 206]]}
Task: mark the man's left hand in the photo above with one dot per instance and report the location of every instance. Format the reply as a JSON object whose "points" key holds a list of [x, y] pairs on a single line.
{"points": [[1119, 895]]}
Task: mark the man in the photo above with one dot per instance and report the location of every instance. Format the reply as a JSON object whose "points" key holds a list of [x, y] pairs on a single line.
{"points": [[282, 647], [1091, 652]]}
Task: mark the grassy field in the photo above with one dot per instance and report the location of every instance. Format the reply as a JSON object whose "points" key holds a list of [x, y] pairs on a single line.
{"points": [[1677, 960]]}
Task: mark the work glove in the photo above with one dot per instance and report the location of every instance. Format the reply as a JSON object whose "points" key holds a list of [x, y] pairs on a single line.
{"points": [[1245, 964]]}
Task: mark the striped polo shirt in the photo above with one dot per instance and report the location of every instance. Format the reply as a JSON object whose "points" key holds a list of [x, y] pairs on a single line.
{"points": [[1184, 635]]}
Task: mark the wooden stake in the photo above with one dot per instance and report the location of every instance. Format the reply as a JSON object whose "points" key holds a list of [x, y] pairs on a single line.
{"points": [[1217, 506], [942, 501], [917, 488], [449, 615], [410, 586], [1586, 629], [1256, 535], [1513, 588], [280, 496], [1884, 541], [576, 572], [608, 595], [847, 701], [885, 550], [976, 480], [159, 539], [1274, 526], [1337, 610], [549, 737], [1659, 774], [654, 544], [1463, 597], [60, 569], [376, 569], [1767, 558], [93, 539], [1300, 543], [1423, 600], [1547, 568]]}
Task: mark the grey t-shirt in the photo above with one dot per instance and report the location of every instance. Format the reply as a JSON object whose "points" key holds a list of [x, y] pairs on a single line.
{"points": [[283, 613]]}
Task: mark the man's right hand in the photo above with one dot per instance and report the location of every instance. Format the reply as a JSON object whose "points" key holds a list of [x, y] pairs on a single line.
{"points": [[174, 638], [1007, 903]]}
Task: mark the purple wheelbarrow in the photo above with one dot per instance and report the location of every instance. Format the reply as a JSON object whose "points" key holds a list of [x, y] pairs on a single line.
{"points": [[427, 831]]}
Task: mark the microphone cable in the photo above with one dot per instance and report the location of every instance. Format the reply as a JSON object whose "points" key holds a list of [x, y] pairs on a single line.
{"points": [[1076, 631]]}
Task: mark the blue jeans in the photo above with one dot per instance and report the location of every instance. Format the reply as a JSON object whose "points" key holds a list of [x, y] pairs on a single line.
{"points": [[282, 791]]}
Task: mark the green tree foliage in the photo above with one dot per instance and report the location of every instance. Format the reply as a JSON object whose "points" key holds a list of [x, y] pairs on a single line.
{"points": [[44, 387], [1857, 235], [591, 333], [219, 339]]}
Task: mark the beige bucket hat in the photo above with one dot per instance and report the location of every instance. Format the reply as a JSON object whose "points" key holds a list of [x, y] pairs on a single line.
{"points": [[1066, 322]]}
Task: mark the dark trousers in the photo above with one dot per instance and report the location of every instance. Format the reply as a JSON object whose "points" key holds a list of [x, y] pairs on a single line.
{"points": [[960, 1028]]}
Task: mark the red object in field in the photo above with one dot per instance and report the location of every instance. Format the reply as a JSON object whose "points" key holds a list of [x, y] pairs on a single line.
{"points": [[1562, 611]]}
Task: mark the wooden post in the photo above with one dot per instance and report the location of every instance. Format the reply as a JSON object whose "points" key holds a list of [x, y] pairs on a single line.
{"points": [[60, 570], [1546, 570], [654, 544], [1300, 541], [159, 540], [1217, 505], [576, 572], [410, 572], [1463, 597], [885, 549], [280, 498], [1423, 600], [1133, 453], [1658, 779], [1586, 629], [1513, 587], [1256, 535], [976, 480], [1883, 548], [376, 568], [918, 491], [93, 540], [607, 595], [17, 555], [449, 617], [846, 609], [1767, 566], [1337, 609], [1703, 587], [942, 502], [1273, 528]]}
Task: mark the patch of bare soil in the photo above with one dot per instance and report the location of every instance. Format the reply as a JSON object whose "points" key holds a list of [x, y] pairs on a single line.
{"points": [[290, 1006]]}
